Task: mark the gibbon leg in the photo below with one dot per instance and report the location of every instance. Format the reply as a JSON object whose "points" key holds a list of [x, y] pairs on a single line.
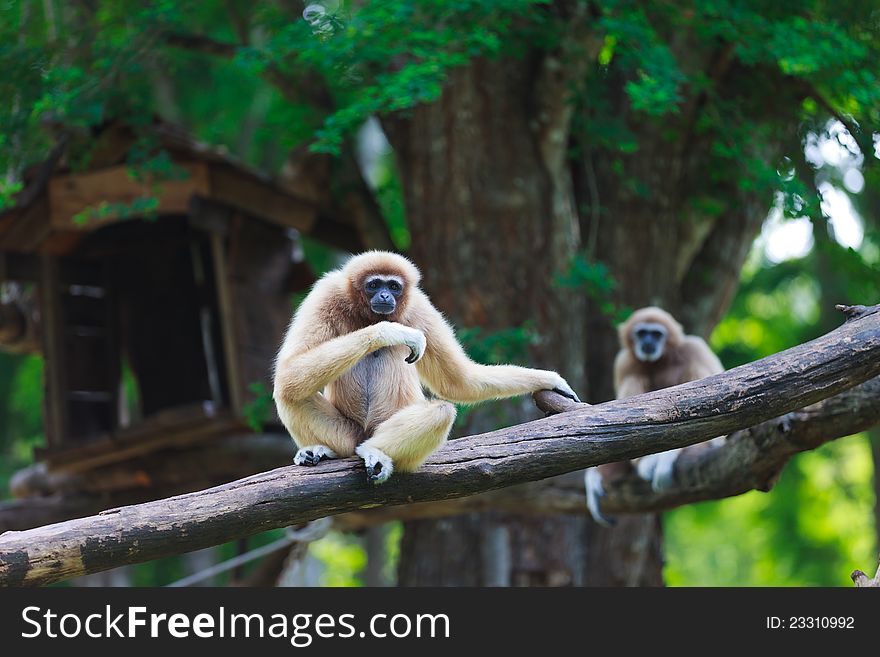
{"points": [[659, 469], [406, 439], [319, 430]]}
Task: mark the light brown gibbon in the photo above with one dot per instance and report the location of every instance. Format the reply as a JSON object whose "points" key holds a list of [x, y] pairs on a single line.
{"points": [[349, 375], [654, 353]]}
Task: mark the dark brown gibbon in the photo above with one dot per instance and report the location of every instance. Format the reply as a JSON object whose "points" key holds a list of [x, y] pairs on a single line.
{"points": [[654, 353], [349, 375]]}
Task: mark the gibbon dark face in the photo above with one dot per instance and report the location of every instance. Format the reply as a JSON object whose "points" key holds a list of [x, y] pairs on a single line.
{"points": [[383, 292], [649, 341]]}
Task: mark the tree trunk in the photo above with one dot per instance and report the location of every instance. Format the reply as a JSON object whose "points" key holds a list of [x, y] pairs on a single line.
{"points": [[491, 225], [490, 202]]}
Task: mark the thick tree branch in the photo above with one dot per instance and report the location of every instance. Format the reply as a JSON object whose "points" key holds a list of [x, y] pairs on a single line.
{"points": [[616, 431], [750, 459]]}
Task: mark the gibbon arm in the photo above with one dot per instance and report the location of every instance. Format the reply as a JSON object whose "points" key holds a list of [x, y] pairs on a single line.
{"points": [[627, 385], [702, 360], [448, 372], [301, 372]]}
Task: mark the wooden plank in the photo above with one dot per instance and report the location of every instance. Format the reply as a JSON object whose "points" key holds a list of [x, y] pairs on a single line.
{"points": [[70, 194], [209, 216], [177, 437], [48, 496], [165, 422], [112, 345], [54, 374], [259, 198], [62, 242], [227, 322], [260, 265], [22, 267], [28, 228]]}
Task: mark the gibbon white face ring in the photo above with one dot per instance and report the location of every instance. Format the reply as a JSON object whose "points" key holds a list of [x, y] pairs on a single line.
{"points": [[649, 341]]}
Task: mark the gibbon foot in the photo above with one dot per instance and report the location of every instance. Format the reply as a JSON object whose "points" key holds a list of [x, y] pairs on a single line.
{"points": [[378, 464], [567, 392], [595, 493], [313, 454], [659, 469]]}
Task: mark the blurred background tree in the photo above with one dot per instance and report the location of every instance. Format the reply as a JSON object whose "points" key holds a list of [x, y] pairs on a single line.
{"points": [[549, 165]]}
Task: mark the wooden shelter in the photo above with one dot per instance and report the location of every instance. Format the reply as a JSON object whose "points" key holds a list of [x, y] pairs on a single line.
{"points": [[160, 304]]}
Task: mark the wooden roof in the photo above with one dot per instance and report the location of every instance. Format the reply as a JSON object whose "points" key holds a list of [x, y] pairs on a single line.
{"points": [[42, 220]]}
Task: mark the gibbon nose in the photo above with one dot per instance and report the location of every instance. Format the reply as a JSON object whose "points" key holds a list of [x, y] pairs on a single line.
{"points": [[384, 297]]}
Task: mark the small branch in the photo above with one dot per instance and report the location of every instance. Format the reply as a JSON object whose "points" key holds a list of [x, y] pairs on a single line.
{"points": [[309, 86], [552, 402], [587, 436], [852, 312], [202, 44], [861, 580], [863, 138]]}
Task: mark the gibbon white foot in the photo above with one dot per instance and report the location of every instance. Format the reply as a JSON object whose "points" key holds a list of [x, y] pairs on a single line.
{"points": [[595, 493], [378, 464], [659, 469], [313, 454]]}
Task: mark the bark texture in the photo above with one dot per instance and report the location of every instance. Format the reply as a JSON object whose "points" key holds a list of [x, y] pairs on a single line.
{"points": [[493, 221]]}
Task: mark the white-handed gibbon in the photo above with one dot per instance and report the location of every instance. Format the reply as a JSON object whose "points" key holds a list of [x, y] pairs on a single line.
{"points": [[654, 353], [349, 375]]}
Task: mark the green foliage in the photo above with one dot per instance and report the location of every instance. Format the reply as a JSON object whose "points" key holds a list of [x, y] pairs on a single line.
{"points": [[395, 55], [143, 207], [258, 410], [8, 189], [21, 420], [320, 257], [389, 196], [740, 77], [343, 559], [148, 163], [506, 346], [594, 280], [816, 525], [496, 347], [811, 530], [655, 87]]}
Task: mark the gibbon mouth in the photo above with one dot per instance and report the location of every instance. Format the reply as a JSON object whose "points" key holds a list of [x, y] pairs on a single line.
{"points": [[383, 308]]}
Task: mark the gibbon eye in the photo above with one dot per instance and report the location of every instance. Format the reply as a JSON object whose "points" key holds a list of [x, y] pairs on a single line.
{"points": [[394, 286], [372, 285]]}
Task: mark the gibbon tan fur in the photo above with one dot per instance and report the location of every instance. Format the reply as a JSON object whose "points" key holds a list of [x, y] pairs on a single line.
{"points": [[349, 375], [654, 354]]}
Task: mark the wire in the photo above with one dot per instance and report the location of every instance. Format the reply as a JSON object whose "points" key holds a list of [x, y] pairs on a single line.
{"points": [[312, 531]]}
